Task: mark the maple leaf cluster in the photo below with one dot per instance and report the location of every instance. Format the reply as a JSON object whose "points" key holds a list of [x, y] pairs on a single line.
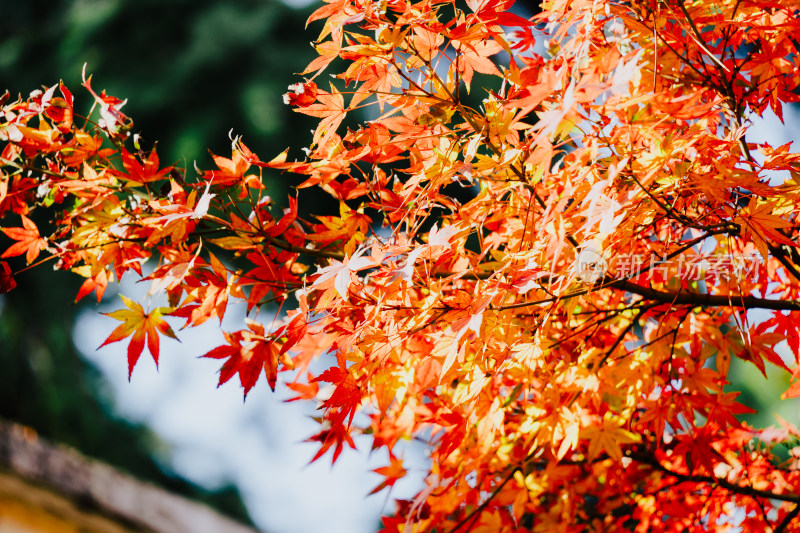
{"points": [[555, 388]]}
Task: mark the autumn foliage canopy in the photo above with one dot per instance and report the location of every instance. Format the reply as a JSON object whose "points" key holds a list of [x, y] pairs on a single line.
{"points": [[551, 234]]}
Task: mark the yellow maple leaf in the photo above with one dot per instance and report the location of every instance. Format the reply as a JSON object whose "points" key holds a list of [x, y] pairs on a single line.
{"points": [[141, 325]]}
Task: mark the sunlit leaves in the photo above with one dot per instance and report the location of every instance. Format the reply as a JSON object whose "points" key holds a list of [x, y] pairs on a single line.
{"points": [[144, 171], [29, 242], [391, 474], [546, 282], [142, 327]]}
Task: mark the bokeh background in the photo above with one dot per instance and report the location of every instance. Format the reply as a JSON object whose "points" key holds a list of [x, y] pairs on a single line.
{"points": [[193, 71]]}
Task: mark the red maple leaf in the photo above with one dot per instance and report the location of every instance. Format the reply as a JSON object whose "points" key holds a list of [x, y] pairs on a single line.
{"points": [[7, 282], [29, 242], [248, 353], [143, 172]]}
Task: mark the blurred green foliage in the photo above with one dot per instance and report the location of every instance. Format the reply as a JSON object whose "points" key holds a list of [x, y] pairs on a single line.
{"points": [[763, 393], [192, 70]]}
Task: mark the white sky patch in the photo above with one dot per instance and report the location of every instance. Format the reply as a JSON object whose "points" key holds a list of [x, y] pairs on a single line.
{"points": [[769, 129], [298, 4]]}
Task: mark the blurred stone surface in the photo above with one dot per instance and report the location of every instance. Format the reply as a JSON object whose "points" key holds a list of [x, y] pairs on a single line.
{"points": [[48, 488]]}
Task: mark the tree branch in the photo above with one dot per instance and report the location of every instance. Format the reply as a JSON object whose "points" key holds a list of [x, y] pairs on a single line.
{"points": [[648, 459], [472, 516], [780, 528], [703, 300]]}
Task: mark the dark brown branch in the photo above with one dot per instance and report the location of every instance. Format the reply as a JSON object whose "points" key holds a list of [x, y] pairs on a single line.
{"points": [[788, 519], [621, 336], [704, 300], [779, 252], [675, 298], [699, 38], [723, 483], [478, 510]]}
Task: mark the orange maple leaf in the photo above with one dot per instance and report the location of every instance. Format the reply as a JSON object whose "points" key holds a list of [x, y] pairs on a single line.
{"points": [[230, 171], [391, 473], [29, 242], [330, 108], [145, 172], [139, 324]]}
